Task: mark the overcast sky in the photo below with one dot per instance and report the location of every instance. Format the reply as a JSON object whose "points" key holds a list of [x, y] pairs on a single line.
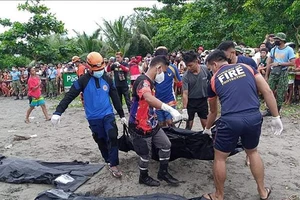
{"points": [[77, 15]]}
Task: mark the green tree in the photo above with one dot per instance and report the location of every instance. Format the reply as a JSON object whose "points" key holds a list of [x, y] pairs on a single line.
{"points": [[87, 43], [186, 25], [118, 35], [279, 16], [61, 48], [28, 39], [8, 61]]}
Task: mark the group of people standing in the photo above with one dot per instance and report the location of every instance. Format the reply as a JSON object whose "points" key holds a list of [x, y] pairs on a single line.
{"points": [[233, 79]]}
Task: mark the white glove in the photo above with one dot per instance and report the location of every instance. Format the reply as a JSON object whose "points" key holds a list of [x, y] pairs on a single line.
{"points": [[123, 120], [175, 114], [117, 63], [208, 132], [55, 119], [185, 114], [276, 125]]}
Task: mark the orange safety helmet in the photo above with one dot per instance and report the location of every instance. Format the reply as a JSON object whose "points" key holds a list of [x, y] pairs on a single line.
{"points": [[75, 59], [95, 61]]}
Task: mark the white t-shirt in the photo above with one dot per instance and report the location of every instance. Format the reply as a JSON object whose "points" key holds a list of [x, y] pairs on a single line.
{"points": [[257, 56]]}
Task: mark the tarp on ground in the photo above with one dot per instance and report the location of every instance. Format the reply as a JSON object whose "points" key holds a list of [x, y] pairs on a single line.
{"points": [[55, 194], [185, 144], [67, 176]]}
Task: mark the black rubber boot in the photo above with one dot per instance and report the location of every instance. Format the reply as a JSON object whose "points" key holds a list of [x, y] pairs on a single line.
{"points": [[147, 180], [163, 174]]}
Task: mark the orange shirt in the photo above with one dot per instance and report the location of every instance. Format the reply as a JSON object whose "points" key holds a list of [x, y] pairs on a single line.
{"points": [[80, 70]]}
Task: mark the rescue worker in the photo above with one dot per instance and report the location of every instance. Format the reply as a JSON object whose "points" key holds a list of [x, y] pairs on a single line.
{"points": [[164, 90], [143, 126], [236, 87], [97, 89]]}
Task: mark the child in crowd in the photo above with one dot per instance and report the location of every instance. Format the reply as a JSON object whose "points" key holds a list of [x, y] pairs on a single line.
{"points": [[34, 94]]}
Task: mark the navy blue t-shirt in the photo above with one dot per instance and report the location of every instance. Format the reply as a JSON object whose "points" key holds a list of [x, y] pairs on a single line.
{"points": [[236, 88], [247, 61]]}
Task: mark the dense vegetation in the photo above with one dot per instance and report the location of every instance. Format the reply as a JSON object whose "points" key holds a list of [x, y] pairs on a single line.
{"points": [[179, 24]]}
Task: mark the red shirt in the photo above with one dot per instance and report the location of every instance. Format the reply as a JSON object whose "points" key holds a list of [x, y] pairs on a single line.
{"points": [[33, 81], [297, 63]]}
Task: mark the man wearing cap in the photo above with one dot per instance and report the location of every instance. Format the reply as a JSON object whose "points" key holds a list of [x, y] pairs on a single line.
{"points": [[97, 90], [239, 50], [281, 57], [80, 68]]}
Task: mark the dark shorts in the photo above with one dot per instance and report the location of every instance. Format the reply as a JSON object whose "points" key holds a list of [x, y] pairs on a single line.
{"points": [[297, 83], [246, 126], [199, 106]]}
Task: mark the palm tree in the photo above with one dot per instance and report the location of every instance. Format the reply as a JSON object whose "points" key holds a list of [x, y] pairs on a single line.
{"points": [[90, 43], [118, 34]]}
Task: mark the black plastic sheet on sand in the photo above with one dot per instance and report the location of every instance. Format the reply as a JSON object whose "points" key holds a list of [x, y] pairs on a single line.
{"points": [[185, 144], [16, 170], [55, 194]]}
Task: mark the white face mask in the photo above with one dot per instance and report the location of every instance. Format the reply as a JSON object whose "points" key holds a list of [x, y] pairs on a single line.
{"points": [[159, 78]]}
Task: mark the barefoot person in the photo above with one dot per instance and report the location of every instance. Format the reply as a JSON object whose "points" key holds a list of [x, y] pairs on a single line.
{"points": [[97, 89], [145, 129], [34, 94], [236, 86]]}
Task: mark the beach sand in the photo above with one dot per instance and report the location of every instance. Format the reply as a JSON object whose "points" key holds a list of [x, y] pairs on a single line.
{"points": [[72, 140]]}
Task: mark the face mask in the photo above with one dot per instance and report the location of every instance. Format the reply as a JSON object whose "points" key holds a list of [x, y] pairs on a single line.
{"points": [[277, 43], [13, 69], [98, 74], [159, 78], [229, 61]]}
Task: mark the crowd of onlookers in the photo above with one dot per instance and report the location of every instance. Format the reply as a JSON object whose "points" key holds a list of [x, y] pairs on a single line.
{"points": [[13, 81]]}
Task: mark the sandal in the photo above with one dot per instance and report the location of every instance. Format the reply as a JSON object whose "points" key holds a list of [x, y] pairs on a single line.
{"points": [[27, 121], [115, 172], [204, 198], [268, 194]]}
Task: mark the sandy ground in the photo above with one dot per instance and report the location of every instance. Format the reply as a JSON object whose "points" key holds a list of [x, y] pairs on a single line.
{"points": [[73, 141]]}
